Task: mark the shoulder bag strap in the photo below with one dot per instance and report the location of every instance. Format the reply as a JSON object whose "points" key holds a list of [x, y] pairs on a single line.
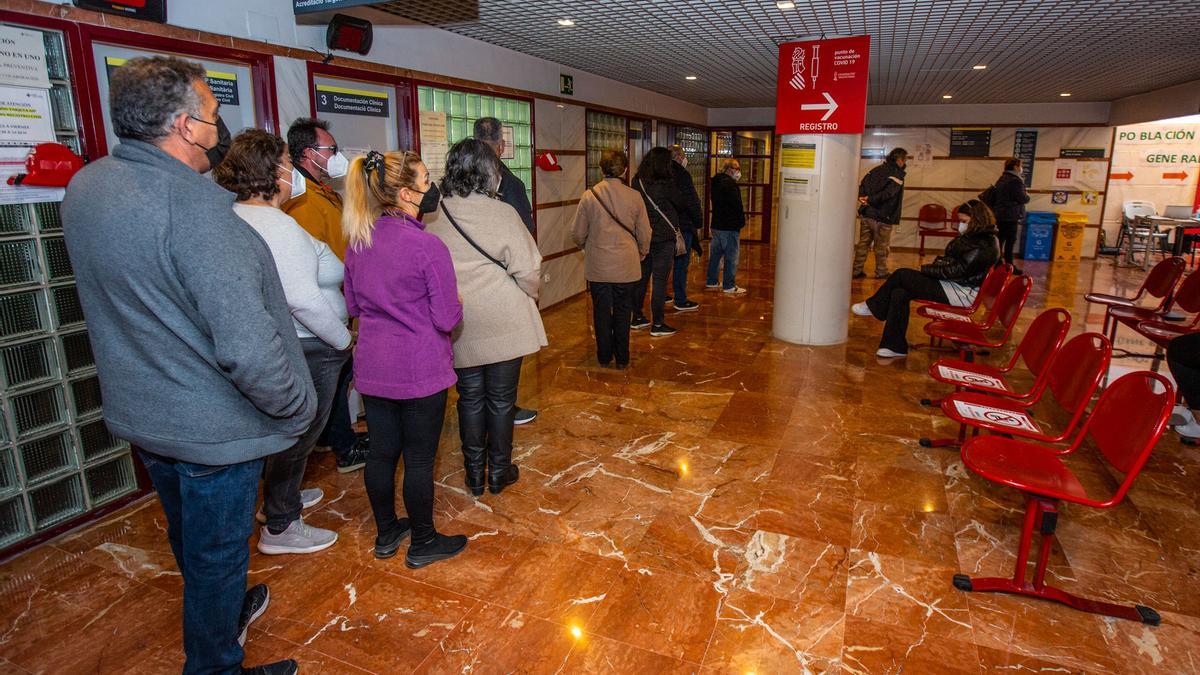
{"points": [[470, 240], [610, 213], [650, 199]]}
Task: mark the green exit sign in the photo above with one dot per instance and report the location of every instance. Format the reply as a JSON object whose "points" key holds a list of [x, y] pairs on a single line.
{"points": [[566, 84]]}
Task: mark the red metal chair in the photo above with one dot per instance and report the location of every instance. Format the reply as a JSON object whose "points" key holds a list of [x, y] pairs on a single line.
{"points": [[1186, 298], [933, 214], [989, 292], [1037, 349], [1072, 378], [967, 336], [1127, 422], [1157, 284]]}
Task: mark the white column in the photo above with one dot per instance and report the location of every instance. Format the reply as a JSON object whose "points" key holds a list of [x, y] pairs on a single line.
{"points": [[818, 207]]}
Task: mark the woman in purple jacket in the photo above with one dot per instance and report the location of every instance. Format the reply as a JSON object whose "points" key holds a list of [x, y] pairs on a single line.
{"points": [[400, 285]]}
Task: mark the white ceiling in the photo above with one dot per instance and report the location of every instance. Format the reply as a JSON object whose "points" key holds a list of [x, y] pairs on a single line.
{"points": [[1098, 50]]}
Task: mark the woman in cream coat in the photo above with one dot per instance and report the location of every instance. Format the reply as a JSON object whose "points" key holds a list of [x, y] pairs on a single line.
{"points": [[498, 267]]}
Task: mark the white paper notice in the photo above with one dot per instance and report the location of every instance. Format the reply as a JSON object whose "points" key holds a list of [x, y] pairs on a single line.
{"points": [[996, 416], [25, 116], [12, 161], [946, 316], [23, 58], [510, 145], [797, 188], [971, 379], [434, 142]]}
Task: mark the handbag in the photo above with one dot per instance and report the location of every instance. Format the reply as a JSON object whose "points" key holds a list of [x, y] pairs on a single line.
{"points": [[680, 246], [611, 214], [471, 241]]}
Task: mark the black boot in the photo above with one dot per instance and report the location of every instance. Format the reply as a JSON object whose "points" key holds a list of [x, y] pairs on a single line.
{"points": [[498, 480], [475, 463]]}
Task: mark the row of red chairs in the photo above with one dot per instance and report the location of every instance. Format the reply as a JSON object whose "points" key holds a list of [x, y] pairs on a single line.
{"points": [[1022, 452], [1163, 285]]}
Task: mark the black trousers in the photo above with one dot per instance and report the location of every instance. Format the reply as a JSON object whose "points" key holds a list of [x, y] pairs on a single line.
{"points": [[408, 427], [612, 305], [890, 304], [1183, 358], [487, 398], [1006, 232], [656, 267]]}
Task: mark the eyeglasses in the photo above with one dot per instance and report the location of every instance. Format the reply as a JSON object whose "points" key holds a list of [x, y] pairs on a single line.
{"points": [[334, 148], [203, 121]]}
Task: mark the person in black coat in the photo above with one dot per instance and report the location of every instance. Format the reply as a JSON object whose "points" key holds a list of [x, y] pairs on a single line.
{"points": [[1008, 199], [656, 182], [953, 278], [880, 197], [727, 220], [691, 220]]}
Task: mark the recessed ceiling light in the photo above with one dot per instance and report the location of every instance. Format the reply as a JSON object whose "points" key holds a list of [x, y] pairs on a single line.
{"points": [[786, 5], [979, 67], [947, 96], [566, 22], [690, 77], [1065, 93]]}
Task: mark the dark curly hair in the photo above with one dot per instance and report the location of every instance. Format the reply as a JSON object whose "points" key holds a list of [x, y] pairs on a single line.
{"points": [[251, 167], [471, 166]]}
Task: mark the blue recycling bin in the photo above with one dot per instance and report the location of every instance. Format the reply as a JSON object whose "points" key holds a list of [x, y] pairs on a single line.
{"points": [[1039, 235]]}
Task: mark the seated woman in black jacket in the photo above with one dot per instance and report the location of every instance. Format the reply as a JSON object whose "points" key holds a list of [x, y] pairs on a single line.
{"points": [[953, 278]]}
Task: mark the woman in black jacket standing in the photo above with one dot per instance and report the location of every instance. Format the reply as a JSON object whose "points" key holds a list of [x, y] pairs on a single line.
{"points": [[656, 183], [1008, 201], [953, 278]]}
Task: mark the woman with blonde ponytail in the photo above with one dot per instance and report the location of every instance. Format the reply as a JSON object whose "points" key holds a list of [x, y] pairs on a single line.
{"points": [[400, 285]]}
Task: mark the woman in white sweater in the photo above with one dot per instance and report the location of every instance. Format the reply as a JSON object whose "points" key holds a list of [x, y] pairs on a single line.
{"points": [[498, 267], [259, 171]]}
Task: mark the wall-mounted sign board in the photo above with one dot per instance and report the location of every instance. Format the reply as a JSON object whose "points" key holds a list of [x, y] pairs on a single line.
{"points": [[970, 141]]}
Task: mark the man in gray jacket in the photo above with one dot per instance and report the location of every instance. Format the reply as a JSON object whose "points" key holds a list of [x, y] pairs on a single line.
{"points": [[199, 364]]}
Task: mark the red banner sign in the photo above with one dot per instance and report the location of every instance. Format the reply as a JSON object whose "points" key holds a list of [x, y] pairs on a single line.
{"points": [[822, 87]]}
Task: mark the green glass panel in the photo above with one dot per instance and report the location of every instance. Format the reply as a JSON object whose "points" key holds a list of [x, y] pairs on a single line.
{"points": [[458, 129], [486, 106], [524, 113], [473, 106], [425, 98], [458, 104]]}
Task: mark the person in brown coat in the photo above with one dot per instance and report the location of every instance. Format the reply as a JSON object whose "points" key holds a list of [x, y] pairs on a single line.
{"points": [[613, 229]]}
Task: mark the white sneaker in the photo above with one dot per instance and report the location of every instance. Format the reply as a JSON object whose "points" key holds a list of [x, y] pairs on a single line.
{"points": [[886, 353], [309, 497], [736, 290], [861, 309], [1181, 415], [1190, 430], [299, 537]]}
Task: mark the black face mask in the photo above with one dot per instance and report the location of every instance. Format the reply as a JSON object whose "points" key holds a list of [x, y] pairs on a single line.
{"points": [[429, 202], [216, 154]]}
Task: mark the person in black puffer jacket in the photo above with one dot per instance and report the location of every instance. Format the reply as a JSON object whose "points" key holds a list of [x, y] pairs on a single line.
{"points": [[880, 197], [656, 183], [1008, 200], [953, 278]]}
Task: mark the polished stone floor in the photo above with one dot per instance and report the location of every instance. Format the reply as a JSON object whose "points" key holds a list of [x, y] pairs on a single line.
{"points": [[731, 503]]}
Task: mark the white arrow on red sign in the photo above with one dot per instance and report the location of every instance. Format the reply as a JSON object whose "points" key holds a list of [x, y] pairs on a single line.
{"points": [[828, 107]]}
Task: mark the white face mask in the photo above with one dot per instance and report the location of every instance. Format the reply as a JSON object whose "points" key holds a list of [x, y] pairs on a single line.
{"points": [[962, 227], [337, 165], [299, 185], [737, 175]]}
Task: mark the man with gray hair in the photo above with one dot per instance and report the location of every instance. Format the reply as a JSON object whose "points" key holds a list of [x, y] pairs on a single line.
{"points": [[512, 192], [199, 364]]}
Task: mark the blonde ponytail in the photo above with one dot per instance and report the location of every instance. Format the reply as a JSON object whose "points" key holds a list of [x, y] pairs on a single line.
{"points": [[373, 185]]}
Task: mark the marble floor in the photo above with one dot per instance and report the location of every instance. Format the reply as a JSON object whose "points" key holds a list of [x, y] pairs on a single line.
{"points": [[731, 503]]}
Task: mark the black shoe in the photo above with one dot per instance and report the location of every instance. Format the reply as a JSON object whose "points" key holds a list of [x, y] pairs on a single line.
{"points": [[442, 547], [498, 481], [621, 366], [687, 306], [859, 275], [356, 457], [639, 322], [289, 667], [475, 478], [523, 416], [386, 544], [662, 330], [669, 300], [254, 603]]}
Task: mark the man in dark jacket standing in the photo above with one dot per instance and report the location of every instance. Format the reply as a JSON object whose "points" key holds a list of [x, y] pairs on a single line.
{"points": [[727, 220], [880, 197], [199, 364], [512, 192], [1008, 199], [691, 219]]}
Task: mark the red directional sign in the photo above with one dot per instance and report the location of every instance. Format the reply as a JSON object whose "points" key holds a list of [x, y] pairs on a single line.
{"points": [[822, 86]]}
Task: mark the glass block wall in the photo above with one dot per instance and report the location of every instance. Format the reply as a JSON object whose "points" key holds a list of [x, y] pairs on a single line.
{"points": [[57, 459], [604, 132], [695, 147], [462, 108]]}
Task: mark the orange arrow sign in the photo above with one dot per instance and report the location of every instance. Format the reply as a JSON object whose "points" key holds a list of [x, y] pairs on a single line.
{"points": [[1128, 175], [1179, 175]]}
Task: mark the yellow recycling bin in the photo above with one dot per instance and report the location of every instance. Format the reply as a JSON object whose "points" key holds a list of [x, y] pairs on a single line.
{"points": [[1068, 242]]}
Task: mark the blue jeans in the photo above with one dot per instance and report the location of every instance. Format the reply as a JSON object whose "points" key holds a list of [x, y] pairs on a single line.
{"points": [[725, 245], [210, 515], [679, 274]]}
